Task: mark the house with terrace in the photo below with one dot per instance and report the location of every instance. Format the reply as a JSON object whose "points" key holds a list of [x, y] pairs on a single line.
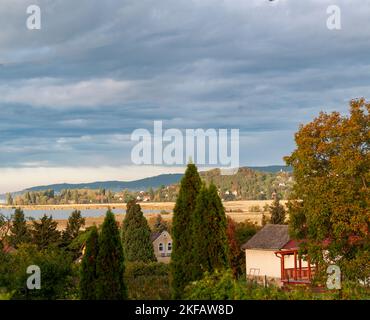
{"points": [[273, 256]]}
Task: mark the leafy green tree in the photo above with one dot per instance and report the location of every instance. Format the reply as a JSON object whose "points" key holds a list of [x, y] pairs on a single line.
{"points": [[331, 167], [44, 233], [244, 231], [182, 231], [210, 243], [88, 274], [110, 262], [277, 212], [58, 275], [219, 285], [74, 225], [159, 224], [148, 280], [19, 231], [136, 235]]}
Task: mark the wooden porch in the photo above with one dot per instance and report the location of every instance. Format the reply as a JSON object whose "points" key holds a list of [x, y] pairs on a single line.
{"points": [[298, 274]]}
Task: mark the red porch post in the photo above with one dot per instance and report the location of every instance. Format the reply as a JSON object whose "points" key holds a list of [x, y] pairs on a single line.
{"points": [[282, 267], [295, 265], [309, 267], [300, 267]]}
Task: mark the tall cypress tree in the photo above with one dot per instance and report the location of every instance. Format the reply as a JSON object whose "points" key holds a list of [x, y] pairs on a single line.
{"points": [[88, 274], [210, 250], [110, 262], [136, 235], [182, 231], [19, 231]]}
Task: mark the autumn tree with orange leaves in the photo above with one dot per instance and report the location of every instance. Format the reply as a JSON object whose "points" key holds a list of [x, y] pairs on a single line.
{"points": [[331, 166]]}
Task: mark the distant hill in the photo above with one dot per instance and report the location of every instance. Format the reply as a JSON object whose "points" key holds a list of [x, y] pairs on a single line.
{"points": [[142, 184], [252, 184]]}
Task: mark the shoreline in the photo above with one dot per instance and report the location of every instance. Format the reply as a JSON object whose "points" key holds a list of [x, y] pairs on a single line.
{"points": [[144, 205], [233, 206], [239, 211]]}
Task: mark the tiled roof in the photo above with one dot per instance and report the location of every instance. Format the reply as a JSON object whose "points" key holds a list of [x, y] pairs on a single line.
{"points": [[272, 236]]}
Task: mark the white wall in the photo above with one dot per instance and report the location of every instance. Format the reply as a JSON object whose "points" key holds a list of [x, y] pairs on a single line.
{"points": [[264, 261], [267, 263], [164, 238]]}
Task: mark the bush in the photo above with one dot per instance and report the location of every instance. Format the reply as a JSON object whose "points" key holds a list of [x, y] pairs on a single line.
{"points": [[222, 286], [58, 274], [147, 281]]}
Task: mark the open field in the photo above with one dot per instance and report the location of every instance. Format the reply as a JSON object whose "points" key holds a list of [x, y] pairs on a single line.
{"points": [[237, 210]]}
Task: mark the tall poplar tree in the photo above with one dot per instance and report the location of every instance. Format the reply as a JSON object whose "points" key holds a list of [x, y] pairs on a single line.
{"points": [[182, 231], [210, 250], [88, 274], [136, 242], [110, 262]]}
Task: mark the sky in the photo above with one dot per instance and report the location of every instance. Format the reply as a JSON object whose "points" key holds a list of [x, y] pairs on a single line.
{"points": [[72, 93]]}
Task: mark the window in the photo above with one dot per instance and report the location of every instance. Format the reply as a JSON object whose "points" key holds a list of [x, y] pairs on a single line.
{"points": [[160, 247], [169, 246]]}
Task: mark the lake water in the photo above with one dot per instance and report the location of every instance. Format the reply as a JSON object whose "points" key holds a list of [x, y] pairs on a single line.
{"points": [[65, 213]]}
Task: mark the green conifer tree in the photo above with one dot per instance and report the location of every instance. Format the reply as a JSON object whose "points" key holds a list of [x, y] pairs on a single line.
{"points": [[277, 212], [182, 231], [74, 224], [45, 233], [88, 274], [210, 250], [110, 262], [19, 231], [136, 235]]}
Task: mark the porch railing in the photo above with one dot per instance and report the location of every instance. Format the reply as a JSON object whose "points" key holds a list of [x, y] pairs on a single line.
{"points": [[303, 274]]}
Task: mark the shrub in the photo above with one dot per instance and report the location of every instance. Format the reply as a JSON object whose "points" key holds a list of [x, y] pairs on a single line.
{"points": [[147, 281], [58, 274], [222, 286]]}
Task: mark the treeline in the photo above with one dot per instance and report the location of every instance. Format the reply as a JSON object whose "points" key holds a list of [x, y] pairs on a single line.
{"points": [[246, 184], [76, 196]]}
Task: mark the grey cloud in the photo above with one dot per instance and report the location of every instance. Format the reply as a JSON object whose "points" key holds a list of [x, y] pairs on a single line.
{"points": [[101, 69]]}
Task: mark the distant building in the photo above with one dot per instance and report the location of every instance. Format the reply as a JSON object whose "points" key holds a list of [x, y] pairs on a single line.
{"points": [[162, 244]]}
